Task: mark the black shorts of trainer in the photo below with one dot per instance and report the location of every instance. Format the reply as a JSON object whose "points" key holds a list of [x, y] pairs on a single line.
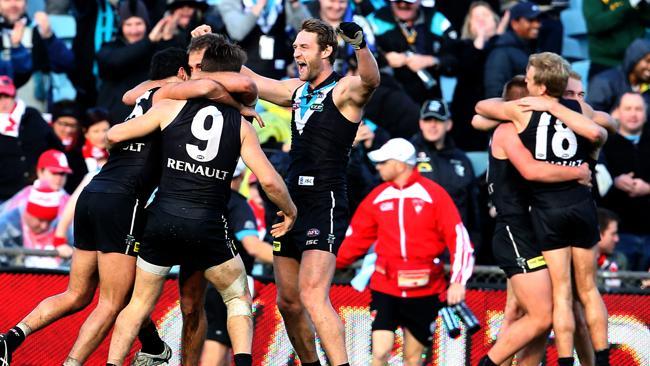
{"points": [[415, 314], [514, 247], [195, 244], [108, 222], [217, 315], [575, 225], [322, 221]]}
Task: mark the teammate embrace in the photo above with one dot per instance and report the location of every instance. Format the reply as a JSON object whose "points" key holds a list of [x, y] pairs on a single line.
{"points": [[539, 182]]}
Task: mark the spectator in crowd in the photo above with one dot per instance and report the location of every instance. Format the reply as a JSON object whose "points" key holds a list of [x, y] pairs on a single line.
{"points": [[333, 12], [32, 226], [509, 56], [189, 14], [67, 127], [608, 258], [390, 107], [24, 136], [440, 160], [411, 220], [478, 32], [457, 10], [124, 63], [628, 158], [361, 174], [96, 26], [96, 126], [632, 75], [31, 48], [52, 170], [260, 27], [416, 42], [611, 27]]}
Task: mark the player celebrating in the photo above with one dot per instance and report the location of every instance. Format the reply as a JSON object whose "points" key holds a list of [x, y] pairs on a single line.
{"points": [[563, 214], [201, 142], [326, 111]]}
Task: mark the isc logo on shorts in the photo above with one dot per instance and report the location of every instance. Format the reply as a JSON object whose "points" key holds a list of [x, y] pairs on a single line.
{"points": [[136, 247], [305, 181], [276, 246]]}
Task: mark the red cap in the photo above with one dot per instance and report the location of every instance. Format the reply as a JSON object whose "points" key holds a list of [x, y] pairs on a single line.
{"points": [[7, 86], [54, 161], [43, 202]]}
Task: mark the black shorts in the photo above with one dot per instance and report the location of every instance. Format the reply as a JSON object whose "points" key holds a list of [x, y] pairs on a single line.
{"points": [[575, 225], [321, 225], [108, 222], [196, 244], [514, 247], [217, 314], [415, 314]]}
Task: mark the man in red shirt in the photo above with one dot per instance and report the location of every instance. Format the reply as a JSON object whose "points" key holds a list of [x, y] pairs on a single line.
{"points": [[411, 220]]}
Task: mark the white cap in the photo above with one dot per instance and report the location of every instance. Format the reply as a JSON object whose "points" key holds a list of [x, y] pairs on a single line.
{"points": [[239, 169], [396, 149]]}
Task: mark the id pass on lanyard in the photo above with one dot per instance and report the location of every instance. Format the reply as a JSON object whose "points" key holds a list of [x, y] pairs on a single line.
{"points": [[266, 47]]}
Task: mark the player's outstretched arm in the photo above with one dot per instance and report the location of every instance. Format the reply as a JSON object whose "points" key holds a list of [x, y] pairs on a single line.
{"points": [[131, 96], [498, 109], [140, 126], [506, 141], [275, 91], [206, 88], [358, 89], [242, 87], [268, 177], [577, 122]]}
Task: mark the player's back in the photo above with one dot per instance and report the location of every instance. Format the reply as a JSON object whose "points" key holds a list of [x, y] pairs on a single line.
{"points": [[507, 188], [200, 149], [550, 140], [133, 166]]}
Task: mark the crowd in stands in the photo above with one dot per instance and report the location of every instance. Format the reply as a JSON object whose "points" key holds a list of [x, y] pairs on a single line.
{"points": [[65, 66]]}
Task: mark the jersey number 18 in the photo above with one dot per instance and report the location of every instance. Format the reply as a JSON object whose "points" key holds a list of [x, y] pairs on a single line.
{"points": [[563, 143]]}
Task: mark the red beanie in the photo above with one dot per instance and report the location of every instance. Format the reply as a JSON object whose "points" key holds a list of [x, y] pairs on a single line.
{"points": [[43, 202]]}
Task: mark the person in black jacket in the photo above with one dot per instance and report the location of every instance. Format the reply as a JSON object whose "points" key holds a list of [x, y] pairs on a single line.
{"points": [[509, 56], [439, 160], [628, 158], [415, 42], [478, 34], [24, 136], [124, 63], [31, 47]]}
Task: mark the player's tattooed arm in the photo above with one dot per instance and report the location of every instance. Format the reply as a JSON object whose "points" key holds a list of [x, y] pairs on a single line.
{"points": [[131, 96], [269, 179], [506, 144]]}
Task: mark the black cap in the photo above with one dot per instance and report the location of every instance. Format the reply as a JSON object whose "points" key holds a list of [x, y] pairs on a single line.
{"points": [[526, 10], [198, 4], [435, 109]]}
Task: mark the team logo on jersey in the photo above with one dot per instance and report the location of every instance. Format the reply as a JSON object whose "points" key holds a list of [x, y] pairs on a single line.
{"points": [[316, 107], [417, 205], [312, 233], [387, 206], [422, 157], [295, 106]]}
